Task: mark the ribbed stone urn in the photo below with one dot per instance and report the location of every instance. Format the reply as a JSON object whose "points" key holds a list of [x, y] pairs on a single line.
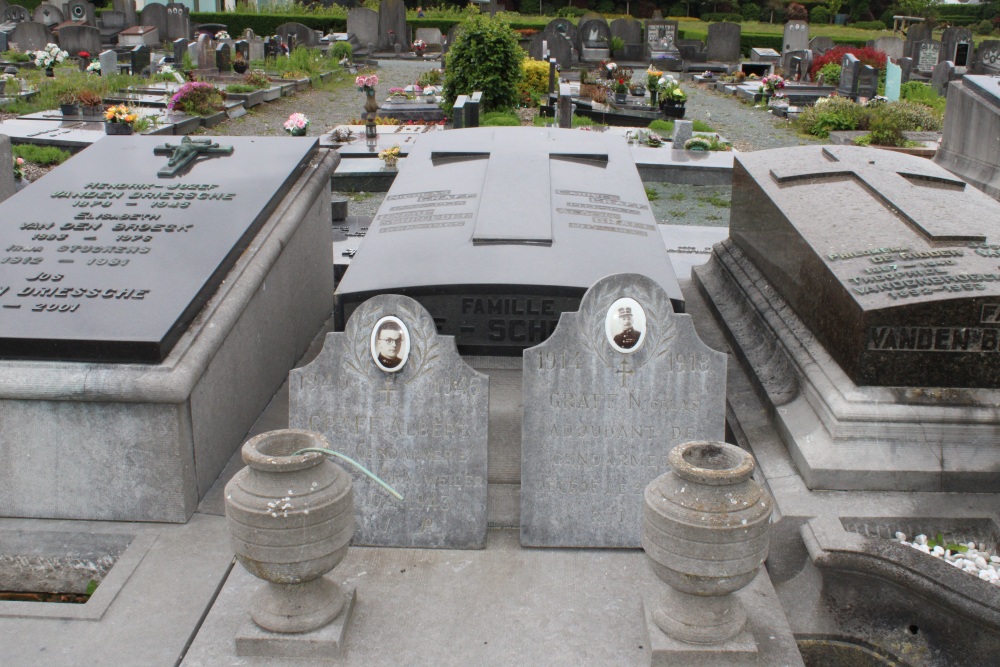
{"points": [[291, 519], [704, 529]]}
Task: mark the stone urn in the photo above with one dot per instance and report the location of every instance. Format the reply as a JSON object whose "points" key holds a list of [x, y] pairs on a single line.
{"points": [[705, 531], [291, 519]]}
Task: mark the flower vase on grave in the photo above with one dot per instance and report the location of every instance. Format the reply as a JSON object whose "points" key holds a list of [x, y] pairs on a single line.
{"points": [[672, 109], [297, 132], [49, 72], [118, 128], [371, 108], [620, 98], [83, 63], [653, 98]]}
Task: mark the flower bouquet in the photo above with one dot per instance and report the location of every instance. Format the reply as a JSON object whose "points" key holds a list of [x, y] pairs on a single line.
{"points": [[118, 119], [49, 56], [419, 46], [771, 84], [221, 35], [297, 125], [94, 67], [390, 156]]}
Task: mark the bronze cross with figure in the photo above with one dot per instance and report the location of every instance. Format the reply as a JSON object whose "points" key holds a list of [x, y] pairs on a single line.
{"points": [[183, 154]]}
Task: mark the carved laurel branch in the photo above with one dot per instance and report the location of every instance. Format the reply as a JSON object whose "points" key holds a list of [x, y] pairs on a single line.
{"points": [[593, 336], [654, 316], [424, 343], [358, 332]]}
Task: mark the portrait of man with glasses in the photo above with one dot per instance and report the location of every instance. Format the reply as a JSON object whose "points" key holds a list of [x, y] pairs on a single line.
{"points": [[390, 344]]}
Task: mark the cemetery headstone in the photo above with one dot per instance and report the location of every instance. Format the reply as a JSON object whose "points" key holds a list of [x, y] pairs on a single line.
{"points": [[631, 33], [565, 106], [799, 63], [458, 112], [155, 15], [304, 35], [891, 46], [206, 52], [973, 116], [905, 68], [363, 23], [272, 47], [595, 38], [724, 42], [620, 383], [193, 51], [893, 81], [915, 34], [545, 45], [76, 38], [764, 55], [256, 46], [242, 48], [928, 54], [567, 29], [392, 394], [963, 54], [683, 131], [391, 24], [820, 44], [30, 36], [7, 187], [988, 57], [661, 38], [432, 37], [472, 109], [178, 21], [453, 32], [16, 14], [867, 82], [81, 10], [48, 15], [109, 62], [589, 16], [849, 69], [795, 38], [224, 58], [127, 7], [140, 60], [951, 39], [449, 221], [943, 73]]}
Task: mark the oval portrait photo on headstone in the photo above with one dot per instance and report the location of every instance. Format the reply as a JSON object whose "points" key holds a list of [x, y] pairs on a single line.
{"points": [[625, 325], [390, 344]]}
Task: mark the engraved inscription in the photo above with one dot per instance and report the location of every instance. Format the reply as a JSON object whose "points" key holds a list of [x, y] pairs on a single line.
{"points": [[934, 339]]}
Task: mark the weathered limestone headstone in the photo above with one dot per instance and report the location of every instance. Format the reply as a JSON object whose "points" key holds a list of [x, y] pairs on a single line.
{"points": [[683, 131], [546, 45], [6, 175], [867, 82], [606, 397], [893, 81], [139, 59], [927, 54], [178, 21], [363, 24], [304, 35], [850, 66], [224, 58], [206, 52], [943, 73], [391, 24], [109, 62], [796, 38], [891, 46], [48, 15], [724, 42], [30, 36], [565, 106], [631, 33], [392, 394], [155, 14], [127, 7], [988, 57], [81, 10], [180, 47], [76, 38], [16, 14]]}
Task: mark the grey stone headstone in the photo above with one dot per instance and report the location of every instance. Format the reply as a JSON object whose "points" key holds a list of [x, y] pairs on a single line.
{"points": [[950, 39], [453, 33], [557, 45], [48, 15], [206, 52], [363, 23], [799, 63], [867, 82], [795, 37], [590, 16], [595, 34], [16, 14], [724, 42], [178, 21], [567, 29], [140, 59], [565, 106], [988, 57], [256, 49], [30, 36], [180, 48], [155, 14], [272, 47], [660, 35], [224, 58], [304, 35], [109, 62], [7, 187], [458, 112], [193, 51], [683, 131], [943, 73], [603, 405], [391, 24], [849, 69], [927, 55], [891, 46], [76, 38], [432, 38], [81, 10], [631, 33], [916, 33], [420, 425], [472, 109], [906, 67], [242, 48], [820, 44], [962, 53], [127, 7]]}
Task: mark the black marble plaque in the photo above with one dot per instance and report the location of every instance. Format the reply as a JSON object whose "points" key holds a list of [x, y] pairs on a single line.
{"points": [[103, 260], [900, 279], [497, 231]]}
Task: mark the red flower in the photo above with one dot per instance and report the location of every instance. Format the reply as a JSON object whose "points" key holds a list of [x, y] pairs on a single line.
{"points": [[84, 54]]}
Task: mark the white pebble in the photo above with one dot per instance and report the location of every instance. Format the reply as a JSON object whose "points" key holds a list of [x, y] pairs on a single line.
{"points": [[984, 575], [901, 537], [938, 551], [971, 545], [995, 559], [980, 562], [920, 539], [923, 547]]}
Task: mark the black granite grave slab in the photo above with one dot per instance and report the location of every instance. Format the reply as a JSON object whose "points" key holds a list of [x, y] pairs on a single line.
{"points": [[496, 231], [899, 280], [105, 261]]}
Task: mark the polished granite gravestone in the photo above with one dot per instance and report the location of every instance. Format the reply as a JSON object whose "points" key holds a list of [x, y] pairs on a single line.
{"points": [[873, 325], [496, 231], [606, 397], [221, 275], [414, 413], [974, 117]]}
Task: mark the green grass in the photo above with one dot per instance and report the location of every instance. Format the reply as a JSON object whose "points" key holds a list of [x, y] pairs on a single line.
{"points": [[677, 214], [667, 126], [651, 193], [40, 155], [715, 200], [578, 121], [678, 196]]}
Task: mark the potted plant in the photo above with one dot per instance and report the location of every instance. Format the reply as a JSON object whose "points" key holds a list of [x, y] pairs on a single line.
{"points": [[91, 103], [297, 125], [83, 60], [397, 95], [769, 85], [390, 156], [619, 87], [69, 104], [419, 46], [672, 98], [197, 98], [240, 64], [48, 57], [118, 120], [617, 44]]}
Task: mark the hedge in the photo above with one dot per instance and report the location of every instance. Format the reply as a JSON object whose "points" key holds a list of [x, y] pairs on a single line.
{"points": [[749, 40]]}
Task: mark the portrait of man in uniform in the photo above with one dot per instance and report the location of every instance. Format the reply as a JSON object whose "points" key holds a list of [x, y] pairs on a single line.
{"points": [[390, 344], [624, 324]]}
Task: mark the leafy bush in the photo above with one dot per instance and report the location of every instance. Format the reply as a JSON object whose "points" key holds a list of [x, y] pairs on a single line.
{"points": [[718, 17], [341, 50], [240, 88], [836, 113], [40, 155], [257, 78], [984, 28], [819, 14], [830, 73], [796, 12], [921, 93], [868, 55], [499, 118], [485, 57], [908, 116], [535, 79], [571, 12], [431, 77], [750, 12], [197, 98], [869, 25]]}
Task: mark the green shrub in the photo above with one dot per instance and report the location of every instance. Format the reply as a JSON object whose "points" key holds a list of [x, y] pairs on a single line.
{"points": [[40, 155], [431, 77], [750, 12], [921, 93], [819, 14], [341, 50], [836, 113], [984, 28], [664, 126], [485, 57], [906, 115], [718, 17], [571, 12], [240, 88], [499, 118], [831, 74], [869, 25]]}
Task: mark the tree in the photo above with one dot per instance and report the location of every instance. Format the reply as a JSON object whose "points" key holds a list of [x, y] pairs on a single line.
{"points": [[486, 58]]}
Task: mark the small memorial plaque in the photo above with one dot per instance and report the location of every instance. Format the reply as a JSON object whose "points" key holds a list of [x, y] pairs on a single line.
{"points": [[928, 55], [616, 387], [104, 260], [392, 394]]}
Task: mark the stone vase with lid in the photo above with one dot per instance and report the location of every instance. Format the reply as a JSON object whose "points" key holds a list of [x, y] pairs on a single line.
{"points": [[291, 519], [705, 531]]}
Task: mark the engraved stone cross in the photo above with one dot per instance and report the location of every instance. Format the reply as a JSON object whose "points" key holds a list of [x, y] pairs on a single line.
{"points": [[625, 371], [921, 197], [186, 152], [520, 218]]}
